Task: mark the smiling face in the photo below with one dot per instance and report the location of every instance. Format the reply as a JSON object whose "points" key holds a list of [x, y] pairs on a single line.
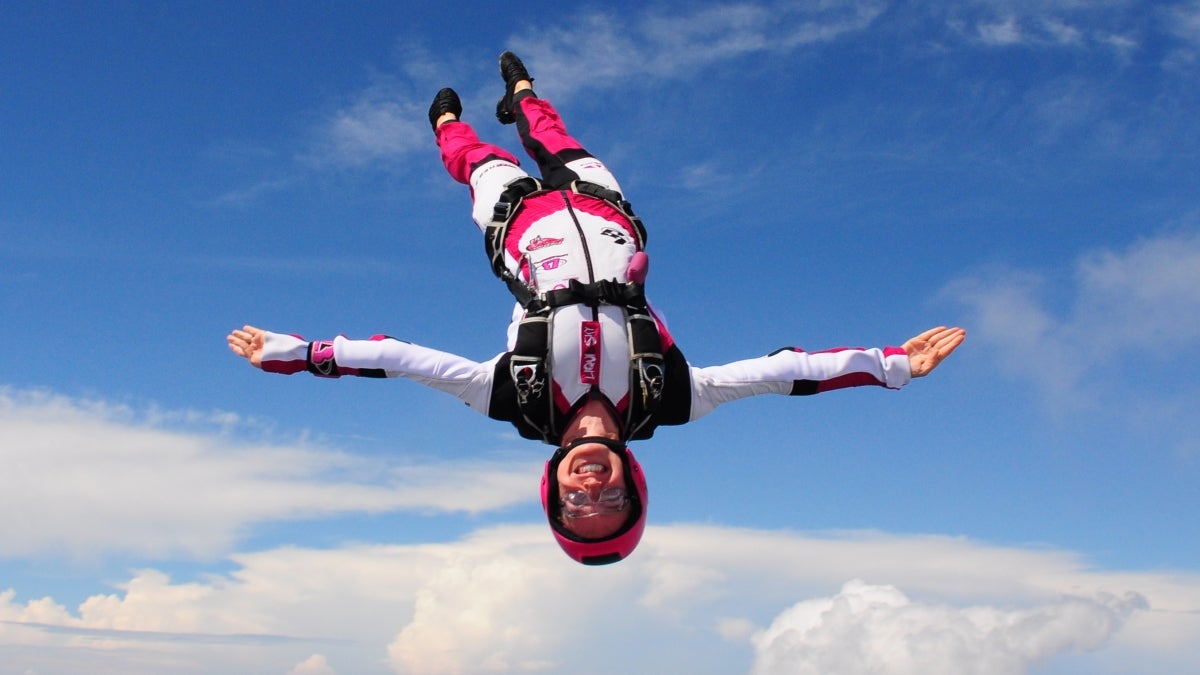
{"points": [[592, 469]]}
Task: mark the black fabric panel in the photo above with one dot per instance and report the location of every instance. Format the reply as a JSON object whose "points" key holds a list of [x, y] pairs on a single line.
{"points": [[676, 406], [804, 388], [555, 174], [489, 158]]}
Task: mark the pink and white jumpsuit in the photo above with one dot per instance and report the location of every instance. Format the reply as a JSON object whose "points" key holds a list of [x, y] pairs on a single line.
{"points": [[559, 235]]}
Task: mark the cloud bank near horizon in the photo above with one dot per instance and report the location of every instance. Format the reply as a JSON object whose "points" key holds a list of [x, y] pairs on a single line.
{"points": [[503, 598], [90, 479]]}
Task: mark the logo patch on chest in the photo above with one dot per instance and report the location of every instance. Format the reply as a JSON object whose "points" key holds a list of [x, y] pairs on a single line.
{"points": [[589, 352], [551, 263], [542, 242]]}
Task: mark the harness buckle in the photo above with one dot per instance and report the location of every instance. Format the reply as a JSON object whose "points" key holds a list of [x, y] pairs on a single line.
{"points": [[652, 376], [529, 376]]}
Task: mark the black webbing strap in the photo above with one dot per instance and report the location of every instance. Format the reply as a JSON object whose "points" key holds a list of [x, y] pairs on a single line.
{"points": [[615, 198], [530, 371], [503, 212], [605, 291], [509, 204], [529, 363], [647, 370]]}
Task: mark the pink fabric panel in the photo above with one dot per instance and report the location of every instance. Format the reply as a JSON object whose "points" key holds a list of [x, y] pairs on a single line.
{"points": [[546, 126], [462, 150]]}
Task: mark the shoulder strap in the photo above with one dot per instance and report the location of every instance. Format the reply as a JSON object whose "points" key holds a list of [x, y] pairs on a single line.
{"points": [[529, 367], [503, 212], [615, 198], [647, 372]]}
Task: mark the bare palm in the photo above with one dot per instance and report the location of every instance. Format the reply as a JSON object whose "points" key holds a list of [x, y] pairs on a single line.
{"points": [[930, 348]]}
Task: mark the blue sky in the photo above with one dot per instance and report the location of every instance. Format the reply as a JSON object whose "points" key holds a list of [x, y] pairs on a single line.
{"points": [[844, 173]]}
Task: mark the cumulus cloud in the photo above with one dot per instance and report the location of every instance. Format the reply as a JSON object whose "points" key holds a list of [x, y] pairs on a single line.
{"points": [[878, 629], [313, 665], [490, 611], [92, 478], [1122, 308], [504, 599]]}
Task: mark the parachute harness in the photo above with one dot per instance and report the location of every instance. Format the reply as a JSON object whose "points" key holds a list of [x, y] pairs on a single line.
{"points": [[529, 362]]}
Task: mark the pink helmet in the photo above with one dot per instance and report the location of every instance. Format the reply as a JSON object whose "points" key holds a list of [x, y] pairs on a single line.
{"points": [[620, 544]]}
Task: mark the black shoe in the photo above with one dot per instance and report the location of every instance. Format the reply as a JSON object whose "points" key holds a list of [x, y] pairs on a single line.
{"points": [[446, 101], [513, 71]]}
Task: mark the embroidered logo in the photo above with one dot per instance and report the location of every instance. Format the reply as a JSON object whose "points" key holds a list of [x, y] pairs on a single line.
{"points": [[589, 352], [542, 242], [551, 263], [617, 235]]}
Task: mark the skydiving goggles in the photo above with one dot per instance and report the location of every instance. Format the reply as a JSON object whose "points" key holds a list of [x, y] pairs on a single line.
{"points": [[579, 504]]}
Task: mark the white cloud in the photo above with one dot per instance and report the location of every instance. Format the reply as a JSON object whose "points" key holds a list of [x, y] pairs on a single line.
{"points": [[608, 49], [387, 121], [383, 124], [490, 611], [1126, 310], [1002, 33], [91, 478], [1047, 24], [1183, 20], [504, 599], [878, 629], [313, 665], [1062, 32]]}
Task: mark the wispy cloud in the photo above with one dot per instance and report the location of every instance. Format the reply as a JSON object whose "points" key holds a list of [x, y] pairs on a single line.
{"points": [[1001, 33], [386, 121], [1041, 25], [605, 50], [383, 124], [1126, 310], [1183, 20], [92, 479], [244, 195]]}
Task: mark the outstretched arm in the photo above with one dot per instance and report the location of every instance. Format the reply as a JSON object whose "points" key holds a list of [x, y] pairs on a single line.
{"points": [[930, 348], [381, 356], [792, 371]]}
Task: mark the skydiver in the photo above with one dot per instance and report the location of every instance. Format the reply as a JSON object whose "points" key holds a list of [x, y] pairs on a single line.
{"points": [[589, 364]]}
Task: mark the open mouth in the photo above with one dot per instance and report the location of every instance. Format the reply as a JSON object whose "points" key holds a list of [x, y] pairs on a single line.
{"points": [[590, 467]]}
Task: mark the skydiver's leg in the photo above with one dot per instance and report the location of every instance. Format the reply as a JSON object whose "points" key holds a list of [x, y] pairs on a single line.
{"points": [[482, 166], [559, 156]]}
